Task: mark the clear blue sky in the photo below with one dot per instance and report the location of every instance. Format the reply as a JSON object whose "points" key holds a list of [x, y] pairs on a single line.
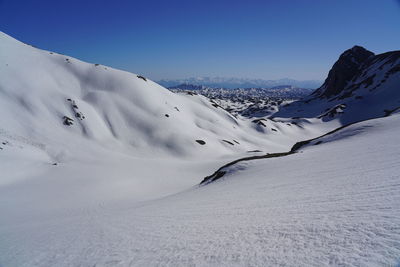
{"points": [[266, 39]]}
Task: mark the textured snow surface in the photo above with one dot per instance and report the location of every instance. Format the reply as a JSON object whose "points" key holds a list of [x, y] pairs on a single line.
{"points": [[336, 203]]}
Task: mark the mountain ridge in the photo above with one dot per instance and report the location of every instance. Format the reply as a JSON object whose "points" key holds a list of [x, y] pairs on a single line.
{"points": [[360, 85]]}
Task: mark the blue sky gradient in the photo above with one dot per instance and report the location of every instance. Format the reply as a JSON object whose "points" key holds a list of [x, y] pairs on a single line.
{"points": [[268, 39]]}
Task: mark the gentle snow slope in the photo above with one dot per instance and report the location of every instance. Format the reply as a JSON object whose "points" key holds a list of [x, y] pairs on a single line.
{"points": [[130, 138], [334, 203], [110, 108]]}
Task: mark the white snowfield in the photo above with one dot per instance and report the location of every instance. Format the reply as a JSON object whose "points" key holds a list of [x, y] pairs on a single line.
{"points": [[336, 203], [115, 182]]}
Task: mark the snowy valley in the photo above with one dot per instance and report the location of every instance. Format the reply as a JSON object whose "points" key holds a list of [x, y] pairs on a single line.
{"points": [[102, 167]]}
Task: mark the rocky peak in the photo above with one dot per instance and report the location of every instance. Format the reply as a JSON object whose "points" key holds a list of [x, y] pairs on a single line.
{"points": [[343, 71]]}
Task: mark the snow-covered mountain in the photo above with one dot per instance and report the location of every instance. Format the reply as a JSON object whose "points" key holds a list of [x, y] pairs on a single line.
{"points": [[101, 167], [360, 86], [62, 117], [224, 82]]}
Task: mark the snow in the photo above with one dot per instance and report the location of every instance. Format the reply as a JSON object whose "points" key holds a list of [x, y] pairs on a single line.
{"points": [[123, 124], [119, 187], [332, 204]]}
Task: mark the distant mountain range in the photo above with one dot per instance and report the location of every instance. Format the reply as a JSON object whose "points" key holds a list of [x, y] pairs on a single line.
{"points": [[282, 91], [221, 82]]}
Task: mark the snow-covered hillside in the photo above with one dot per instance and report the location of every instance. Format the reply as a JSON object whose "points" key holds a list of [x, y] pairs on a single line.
{"points": [[93, 134], [63, 102], [332, 204], [101, 167]]}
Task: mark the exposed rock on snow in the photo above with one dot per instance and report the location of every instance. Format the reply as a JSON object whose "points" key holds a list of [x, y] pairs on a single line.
{"points": [[141, 77], [68, 121], [201, 142]]}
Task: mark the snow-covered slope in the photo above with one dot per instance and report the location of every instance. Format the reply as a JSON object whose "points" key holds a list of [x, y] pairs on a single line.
{"points": [[88, 155], [65, 118], [63, 102], [335, 203], [74, 134]]}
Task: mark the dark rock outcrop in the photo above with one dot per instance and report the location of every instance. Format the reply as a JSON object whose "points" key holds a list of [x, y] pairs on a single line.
{"points": [[68, 121], [201, 142], [141, 77], [343, 71]]}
